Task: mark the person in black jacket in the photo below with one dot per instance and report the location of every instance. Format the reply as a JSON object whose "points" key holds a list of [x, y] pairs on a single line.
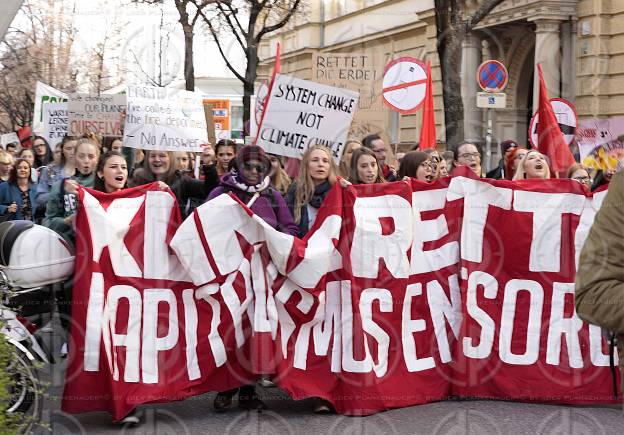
{"points": [[160, 166]]}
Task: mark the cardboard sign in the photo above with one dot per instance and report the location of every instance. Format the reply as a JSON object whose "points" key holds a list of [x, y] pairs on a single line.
{"points": [[301, 113], [44, 94], [55, 122], [8, 138], [164, 119], [210, 127], [360, 72], [98, 114]]}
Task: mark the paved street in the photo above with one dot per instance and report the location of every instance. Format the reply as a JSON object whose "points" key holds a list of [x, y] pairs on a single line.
{"points": [[285, 416]]}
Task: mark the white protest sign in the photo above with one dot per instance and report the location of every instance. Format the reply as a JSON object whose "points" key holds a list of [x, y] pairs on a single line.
{"points": [[594, 132], [405, 84], [44, 94], [566, 117], [98, 114], [55, 122], [8, 138], [165, 119], [301, 113]]}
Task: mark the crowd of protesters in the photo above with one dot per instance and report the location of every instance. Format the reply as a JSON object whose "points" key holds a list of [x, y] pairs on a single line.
{"points": [[40, 184]]}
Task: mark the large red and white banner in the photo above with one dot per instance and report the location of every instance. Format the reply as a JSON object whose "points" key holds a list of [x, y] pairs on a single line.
{"points": [[401, 294]]}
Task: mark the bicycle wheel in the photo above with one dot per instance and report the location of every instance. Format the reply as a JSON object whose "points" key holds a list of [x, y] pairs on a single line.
{"points": [[25, 397]]}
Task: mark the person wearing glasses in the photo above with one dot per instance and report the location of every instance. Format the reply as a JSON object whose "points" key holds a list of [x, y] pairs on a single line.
{"points": [[249, 179], [581, 174], [467, 154], [418, 165]]}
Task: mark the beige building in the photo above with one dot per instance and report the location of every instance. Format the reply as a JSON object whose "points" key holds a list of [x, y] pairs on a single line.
{"points": [[580, 44]]}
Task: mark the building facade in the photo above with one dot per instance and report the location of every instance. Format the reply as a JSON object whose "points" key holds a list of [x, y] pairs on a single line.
{"points": [[580, 44]]}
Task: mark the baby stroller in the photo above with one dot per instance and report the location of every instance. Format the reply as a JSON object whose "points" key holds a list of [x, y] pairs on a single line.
{"points": [[32, 259]]}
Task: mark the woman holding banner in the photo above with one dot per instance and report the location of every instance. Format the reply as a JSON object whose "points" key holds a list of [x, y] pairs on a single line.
{"points": [[317, 175], [365, 168], [161, 166], [418, 165], [249, 180], [533, 165]]}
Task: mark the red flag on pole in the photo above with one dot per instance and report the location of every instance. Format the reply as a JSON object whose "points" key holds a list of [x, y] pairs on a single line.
{"points": [[276, 69], [550, 140], [428, 130]]}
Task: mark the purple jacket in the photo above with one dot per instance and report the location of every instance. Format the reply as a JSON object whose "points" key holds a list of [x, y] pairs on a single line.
{"points": [[273, 211]]}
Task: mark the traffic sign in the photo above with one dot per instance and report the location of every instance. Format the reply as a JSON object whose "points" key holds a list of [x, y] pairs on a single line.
{"points": [[492, 76], [566, 117], [490, 100], [405, 84]]}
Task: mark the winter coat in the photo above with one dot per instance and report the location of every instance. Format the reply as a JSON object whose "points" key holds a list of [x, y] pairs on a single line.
{"points": [[184, 187], [599, 286], [270, 205], [10, 193], [320, 192], [48, 175], [62, 204]]}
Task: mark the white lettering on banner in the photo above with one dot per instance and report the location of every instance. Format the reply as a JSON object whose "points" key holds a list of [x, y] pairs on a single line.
{"points": [[233, 303], [547, 209], [93, 333], [367, 298], [188, 246], [585, 222], [190, 334], [478, 197], [215, 340], [534, 323], [408, 327], [560, 326], [325, 325], [486, 339], [369, 242], [131, 339], [349, 363], [160, 264], [596, 354], [441, 308], [286, 323], [429, 231], [320, 256], [109, 228], [152, 343], [222, 218]]}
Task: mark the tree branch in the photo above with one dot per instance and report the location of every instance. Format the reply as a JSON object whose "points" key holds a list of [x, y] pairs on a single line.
{"points": [[280, 23], [485, 8]]}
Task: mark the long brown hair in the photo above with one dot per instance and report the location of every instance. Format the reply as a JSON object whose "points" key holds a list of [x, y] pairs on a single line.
{"points": [[410, 163], [144, 174], [344, 167], [305, 185], [353, 172]]}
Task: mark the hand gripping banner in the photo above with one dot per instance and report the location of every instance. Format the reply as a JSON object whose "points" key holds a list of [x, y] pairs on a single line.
{"points": [[401, 294]]}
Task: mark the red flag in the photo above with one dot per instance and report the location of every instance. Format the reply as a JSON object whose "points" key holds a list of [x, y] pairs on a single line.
{"points": [[550, 140], [276, 69], [25, 136], [428, 130]]}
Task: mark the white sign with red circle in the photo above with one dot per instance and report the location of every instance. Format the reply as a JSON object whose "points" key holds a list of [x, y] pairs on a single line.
{"points": [[566, 117], [405, 84], [492, 76]]}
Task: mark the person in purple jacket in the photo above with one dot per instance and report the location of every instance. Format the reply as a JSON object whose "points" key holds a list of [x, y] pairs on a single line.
{"points": [[249, 180]]}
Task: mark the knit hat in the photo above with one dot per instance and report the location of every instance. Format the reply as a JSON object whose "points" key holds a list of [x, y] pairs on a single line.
{"points": [[252, 152], [506, 144]]}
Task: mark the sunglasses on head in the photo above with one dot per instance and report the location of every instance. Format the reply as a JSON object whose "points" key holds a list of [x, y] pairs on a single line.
{"points": [[258, 167]]}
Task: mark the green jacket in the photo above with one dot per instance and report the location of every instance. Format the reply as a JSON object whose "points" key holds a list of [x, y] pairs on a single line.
{"points": [[599, 291], [61, 204]]}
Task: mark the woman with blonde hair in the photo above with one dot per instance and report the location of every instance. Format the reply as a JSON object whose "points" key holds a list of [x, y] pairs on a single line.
{"points": [[345, 160], [279, 178], [317, 175], [533, 165]]}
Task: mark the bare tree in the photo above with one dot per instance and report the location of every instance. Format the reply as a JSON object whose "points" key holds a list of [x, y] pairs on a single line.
{"points": [[39, 49], [188, 21], [101, 75], [453, 24], [248, 22]]}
